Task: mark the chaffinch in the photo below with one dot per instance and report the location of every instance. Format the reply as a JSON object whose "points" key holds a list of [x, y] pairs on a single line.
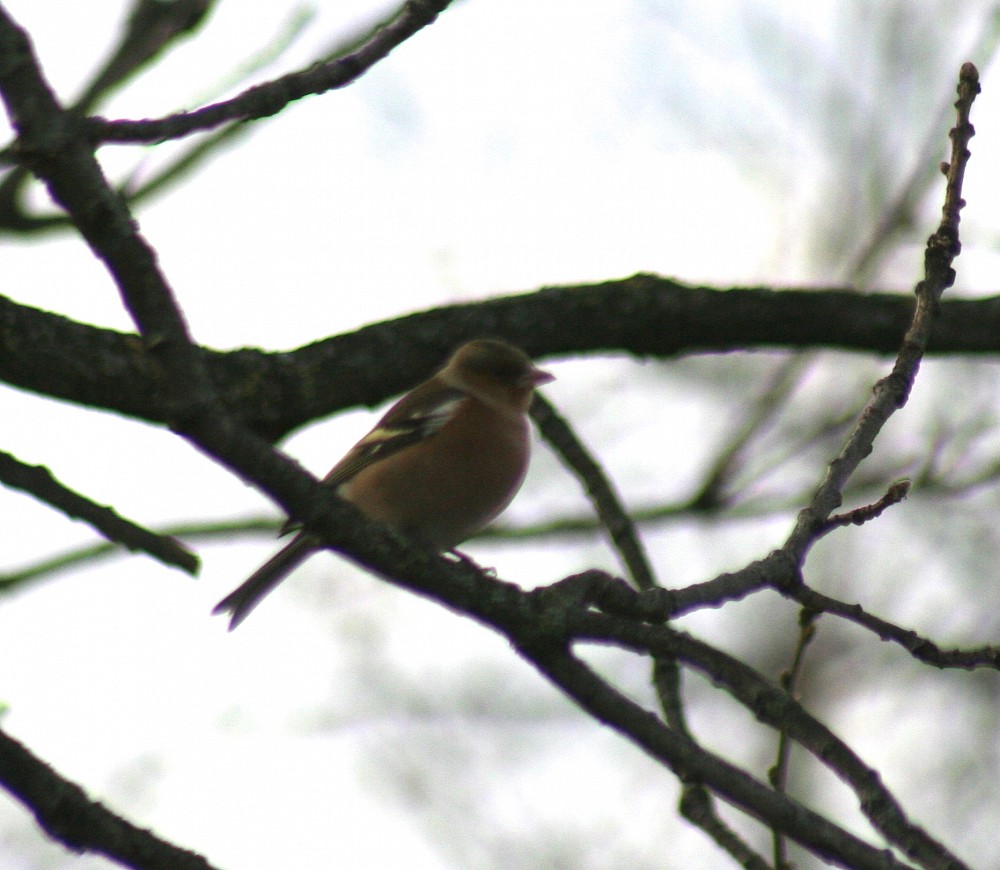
{"points": [[443, 462]]}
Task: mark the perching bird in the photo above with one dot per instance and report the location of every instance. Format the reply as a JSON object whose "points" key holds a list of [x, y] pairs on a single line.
{"points": [[443, 462]]}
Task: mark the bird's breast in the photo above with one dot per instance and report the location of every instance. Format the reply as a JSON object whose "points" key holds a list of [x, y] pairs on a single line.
{"points": [[446, 489]]}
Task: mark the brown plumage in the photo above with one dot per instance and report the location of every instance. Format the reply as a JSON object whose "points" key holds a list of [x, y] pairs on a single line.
{"points": [[442, 463]]}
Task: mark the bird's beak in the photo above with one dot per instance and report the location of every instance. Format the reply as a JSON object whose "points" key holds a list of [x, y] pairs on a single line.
{"points": [[536, 377]]}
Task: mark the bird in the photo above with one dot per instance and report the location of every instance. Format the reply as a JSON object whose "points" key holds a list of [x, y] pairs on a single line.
{"points": [[443, 462]]}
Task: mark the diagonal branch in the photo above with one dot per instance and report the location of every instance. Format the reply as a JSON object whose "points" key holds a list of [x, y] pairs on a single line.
{"points": [[151, 28], [262, 101], [776, 708], [696, 801], [607, 705], [921, 648], [91, 553], [51, 144], [40, 483], [65, 812], [892, 391], [601, 492]]}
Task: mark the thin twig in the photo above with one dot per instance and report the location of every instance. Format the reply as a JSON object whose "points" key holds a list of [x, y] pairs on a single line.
{"points": [[921, 648], [42, 485], [607, 505], [44, 569], [901, 210], [775, 707], [265, 100], [778, 775], [892, 391], [859, 516], [697, 804], [211, 144]]}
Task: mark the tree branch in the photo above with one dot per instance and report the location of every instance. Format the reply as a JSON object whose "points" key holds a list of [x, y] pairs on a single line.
{"points": [[891, 392], [65, 812], [51, 145], [544, 624], [611, 513], [262, 101], [40, 483], [152, 27], [607, 705], [645, 315], [777, 709], [89, 554]]}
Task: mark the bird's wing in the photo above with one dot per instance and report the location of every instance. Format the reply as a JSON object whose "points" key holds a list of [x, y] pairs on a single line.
{"points": [[419, 415], [413, 419]]}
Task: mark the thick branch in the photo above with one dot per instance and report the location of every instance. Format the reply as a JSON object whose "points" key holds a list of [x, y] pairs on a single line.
{"points": [[642, 315], [81, 824], [51, 143]]}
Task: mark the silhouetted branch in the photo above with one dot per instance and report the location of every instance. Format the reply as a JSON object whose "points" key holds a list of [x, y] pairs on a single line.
{"points": [[152, 26], [610, 511], [645, 315], [778, 775], [892, 391], [921, 648], [265, 100], [87, 555], [40, 483], [65, 812]]}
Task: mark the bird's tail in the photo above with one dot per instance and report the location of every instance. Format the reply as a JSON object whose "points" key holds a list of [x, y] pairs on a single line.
{"points": [[249, 594]]}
